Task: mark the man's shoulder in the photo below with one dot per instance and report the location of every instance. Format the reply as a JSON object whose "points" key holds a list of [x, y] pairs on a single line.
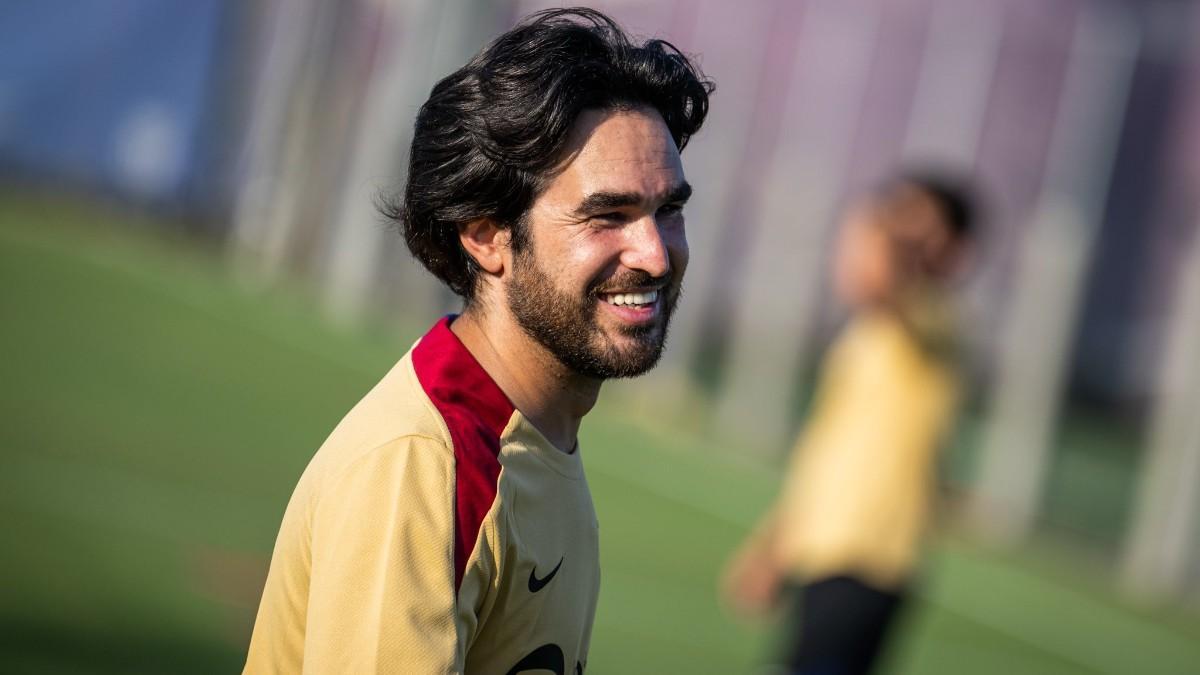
{"points": [[437, 394], [395, 412]]}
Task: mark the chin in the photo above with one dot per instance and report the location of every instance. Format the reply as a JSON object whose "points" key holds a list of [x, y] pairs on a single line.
{"points": [[636, 356], [635, 366]]}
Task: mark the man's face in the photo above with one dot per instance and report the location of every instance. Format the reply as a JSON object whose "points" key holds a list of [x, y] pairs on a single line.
{"points": [[600, 273]]}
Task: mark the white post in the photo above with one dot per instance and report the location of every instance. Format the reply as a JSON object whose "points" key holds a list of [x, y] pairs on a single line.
{"points": [[957, 70], [289, 30], [1034, 351], [277, 212], [773, 319], [424, 40], [1160, 547]]}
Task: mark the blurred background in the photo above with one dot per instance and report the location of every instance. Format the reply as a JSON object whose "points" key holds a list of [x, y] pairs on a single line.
{"points": [[195, 286]]}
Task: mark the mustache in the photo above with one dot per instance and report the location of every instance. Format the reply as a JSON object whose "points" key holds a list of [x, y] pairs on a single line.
{"points": [[631, 279]]}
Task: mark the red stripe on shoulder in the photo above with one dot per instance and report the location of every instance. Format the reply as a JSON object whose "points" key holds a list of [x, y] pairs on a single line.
{"points": [[475, 411]]}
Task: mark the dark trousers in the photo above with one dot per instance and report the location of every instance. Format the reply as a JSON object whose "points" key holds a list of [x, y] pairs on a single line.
{"points": [[841, 625]]}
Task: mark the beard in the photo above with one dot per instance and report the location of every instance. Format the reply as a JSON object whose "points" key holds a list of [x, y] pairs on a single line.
{"points": [[568, 326]]}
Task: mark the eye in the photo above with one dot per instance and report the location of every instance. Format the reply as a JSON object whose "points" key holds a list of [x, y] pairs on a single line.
{"points": [[608, 219], [668, 210]]}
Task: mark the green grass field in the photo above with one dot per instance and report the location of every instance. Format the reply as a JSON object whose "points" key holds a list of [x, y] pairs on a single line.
{"points": [[155, 414]]}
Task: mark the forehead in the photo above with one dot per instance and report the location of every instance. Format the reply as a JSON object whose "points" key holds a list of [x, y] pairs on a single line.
{"points": [[906, 211], [625, 151]]}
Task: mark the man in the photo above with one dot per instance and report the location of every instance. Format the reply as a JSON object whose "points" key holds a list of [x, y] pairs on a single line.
{"points": [[445, 525], [847, 527]]}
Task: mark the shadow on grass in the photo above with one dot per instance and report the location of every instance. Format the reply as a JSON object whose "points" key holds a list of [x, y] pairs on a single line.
{"points": [[37, 648]]}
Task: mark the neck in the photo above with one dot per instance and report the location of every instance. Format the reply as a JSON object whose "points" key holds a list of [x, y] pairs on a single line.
{"points": [[549, 395]]}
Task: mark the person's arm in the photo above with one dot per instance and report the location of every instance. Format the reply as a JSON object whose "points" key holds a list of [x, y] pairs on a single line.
{"points": [[383, 591], [753, 578]]}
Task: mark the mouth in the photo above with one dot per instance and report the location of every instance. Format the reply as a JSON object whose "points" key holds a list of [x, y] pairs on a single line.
{"points": [[639, 307], [632, 299]]}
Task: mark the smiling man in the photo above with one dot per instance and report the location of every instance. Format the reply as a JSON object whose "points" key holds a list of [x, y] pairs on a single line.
{"points": [[446, 526]]}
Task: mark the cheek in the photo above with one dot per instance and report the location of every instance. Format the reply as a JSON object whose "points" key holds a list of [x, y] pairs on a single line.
{"points": [[861, 266], [586, 260], [875, 271]]}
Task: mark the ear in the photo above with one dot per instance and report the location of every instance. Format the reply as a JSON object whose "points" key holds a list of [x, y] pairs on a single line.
{"points": [[487, 243]]}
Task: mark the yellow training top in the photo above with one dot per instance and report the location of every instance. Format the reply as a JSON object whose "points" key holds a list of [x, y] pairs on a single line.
{"points": [[435, 531], [857, 496]]}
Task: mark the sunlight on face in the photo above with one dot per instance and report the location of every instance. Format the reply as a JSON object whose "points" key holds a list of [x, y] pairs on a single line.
{"points": [[602, 272]]}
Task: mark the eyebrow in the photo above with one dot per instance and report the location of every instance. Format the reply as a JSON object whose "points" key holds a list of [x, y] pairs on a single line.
{"points": [[599, 201]]}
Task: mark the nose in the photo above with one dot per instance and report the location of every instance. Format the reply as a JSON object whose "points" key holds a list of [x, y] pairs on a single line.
{"points": [[645, 249]]}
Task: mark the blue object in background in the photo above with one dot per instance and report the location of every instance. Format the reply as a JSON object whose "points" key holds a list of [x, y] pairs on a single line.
{"points": [[113, 95]]}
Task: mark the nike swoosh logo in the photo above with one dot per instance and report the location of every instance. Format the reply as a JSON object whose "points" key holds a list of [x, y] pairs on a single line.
{"points": [[536, 584]]}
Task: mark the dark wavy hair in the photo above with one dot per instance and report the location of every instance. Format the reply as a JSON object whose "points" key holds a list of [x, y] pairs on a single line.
{"points": [[491, 133]]}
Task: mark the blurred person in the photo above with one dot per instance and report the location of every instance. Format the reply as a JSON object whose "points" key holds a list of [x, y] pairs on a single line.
{"points": [[446, 524], [842, 540]]}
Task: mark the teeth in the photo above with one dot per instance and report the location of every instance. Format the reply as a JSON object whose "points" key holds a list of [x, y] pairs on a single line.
{"points": [[633, 298]]}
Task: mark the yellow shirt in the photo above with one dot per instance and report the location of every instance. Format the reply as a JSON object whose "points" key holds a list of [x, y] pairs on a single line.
{"points": [[435, 531], [857, 495]]}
